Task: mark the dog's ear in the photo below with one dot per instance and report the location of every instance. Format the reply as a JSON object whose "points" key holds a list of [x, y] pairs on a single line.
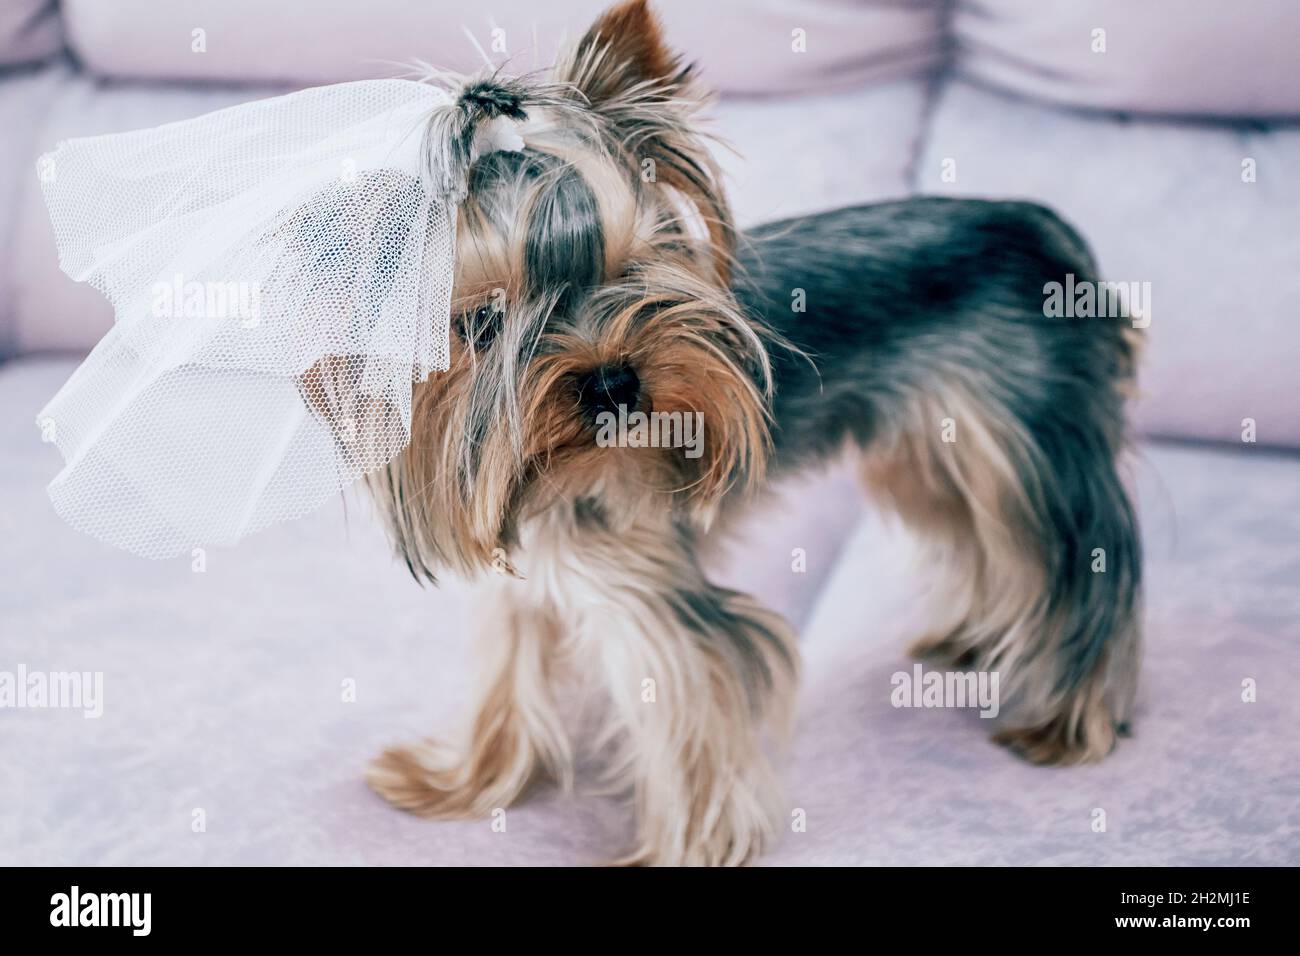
{"points": [[646, 99], [624, 48]]}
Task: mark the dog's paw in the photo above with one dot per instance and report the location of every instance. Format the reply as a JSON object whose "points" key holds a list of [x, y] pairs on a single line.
{"points": [[1060, 742], [741, 828], [426, 779]]}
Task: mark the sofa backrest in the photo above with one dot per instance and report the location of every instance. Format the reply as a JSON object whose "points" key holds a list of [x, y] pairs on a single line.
{"points": [[1185, 57], [744, 46], [1182, 57], [30, 31]]}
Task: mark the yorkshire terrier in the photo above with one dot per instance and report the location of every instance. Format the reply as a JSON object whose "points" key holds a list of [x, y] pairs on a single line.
{"points": [[598, 272]]}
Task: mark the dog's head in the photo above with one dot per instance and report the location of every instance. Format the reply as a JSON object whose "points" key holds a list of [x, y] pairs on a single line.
{"points": [[592, 283]]}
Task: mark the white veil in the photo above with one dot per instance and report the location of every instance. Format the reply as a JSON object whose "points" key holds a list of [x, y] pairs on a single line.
{"points": [[281, 274]]}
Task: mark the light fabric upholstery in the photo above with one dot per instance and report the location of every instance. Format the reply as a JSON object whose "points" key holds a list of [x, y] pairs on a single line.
{"points": [[30, 31], [1191, 57], [742, 46]]}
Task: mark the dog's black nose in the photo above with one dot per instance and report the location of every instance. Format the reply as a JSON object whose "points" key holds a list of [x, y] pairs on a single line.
{"points": [[605, 388]]}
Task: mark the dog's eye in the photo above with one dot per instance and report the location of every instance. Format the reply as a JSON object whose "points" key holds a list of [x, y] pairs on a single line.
{"points": [[482, 326]]}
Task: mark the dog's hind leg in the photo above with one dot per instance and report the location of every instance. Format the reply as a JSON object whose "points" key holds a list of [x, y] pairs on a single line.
{"points": [[1042, 548]]}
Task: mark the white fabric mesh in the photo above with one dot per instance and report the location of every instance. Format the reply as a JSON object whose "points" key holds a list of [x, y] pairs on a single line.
{"points": [[280, 275]]}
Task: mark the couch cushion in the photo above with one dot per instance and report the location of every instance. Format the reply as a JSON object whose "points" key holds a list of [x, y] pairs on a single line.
{"points": [[1161, 202], [30, 31], [25, 100], [1203, 57], [743, 47], [42, 309]]}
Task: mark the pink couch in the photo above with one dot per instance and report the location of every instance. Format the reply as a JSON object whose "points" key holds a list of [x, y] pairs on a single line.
{"points": [[223, 688]]}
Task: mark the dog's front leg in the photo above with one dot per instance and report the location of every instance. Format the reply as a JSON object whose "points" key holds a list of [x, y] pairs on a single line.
{"points": [[701, 684], [516, 736]]}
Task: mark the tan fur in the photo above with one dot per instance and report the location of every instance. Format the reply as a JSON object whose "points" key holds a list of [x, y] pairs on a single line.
{"points": [[695, 756], [969, 501]]}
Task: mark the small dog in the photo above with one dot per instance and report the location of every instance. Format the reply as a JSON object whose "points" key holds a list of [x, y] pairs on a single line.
{"points": [[598, 273]]}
